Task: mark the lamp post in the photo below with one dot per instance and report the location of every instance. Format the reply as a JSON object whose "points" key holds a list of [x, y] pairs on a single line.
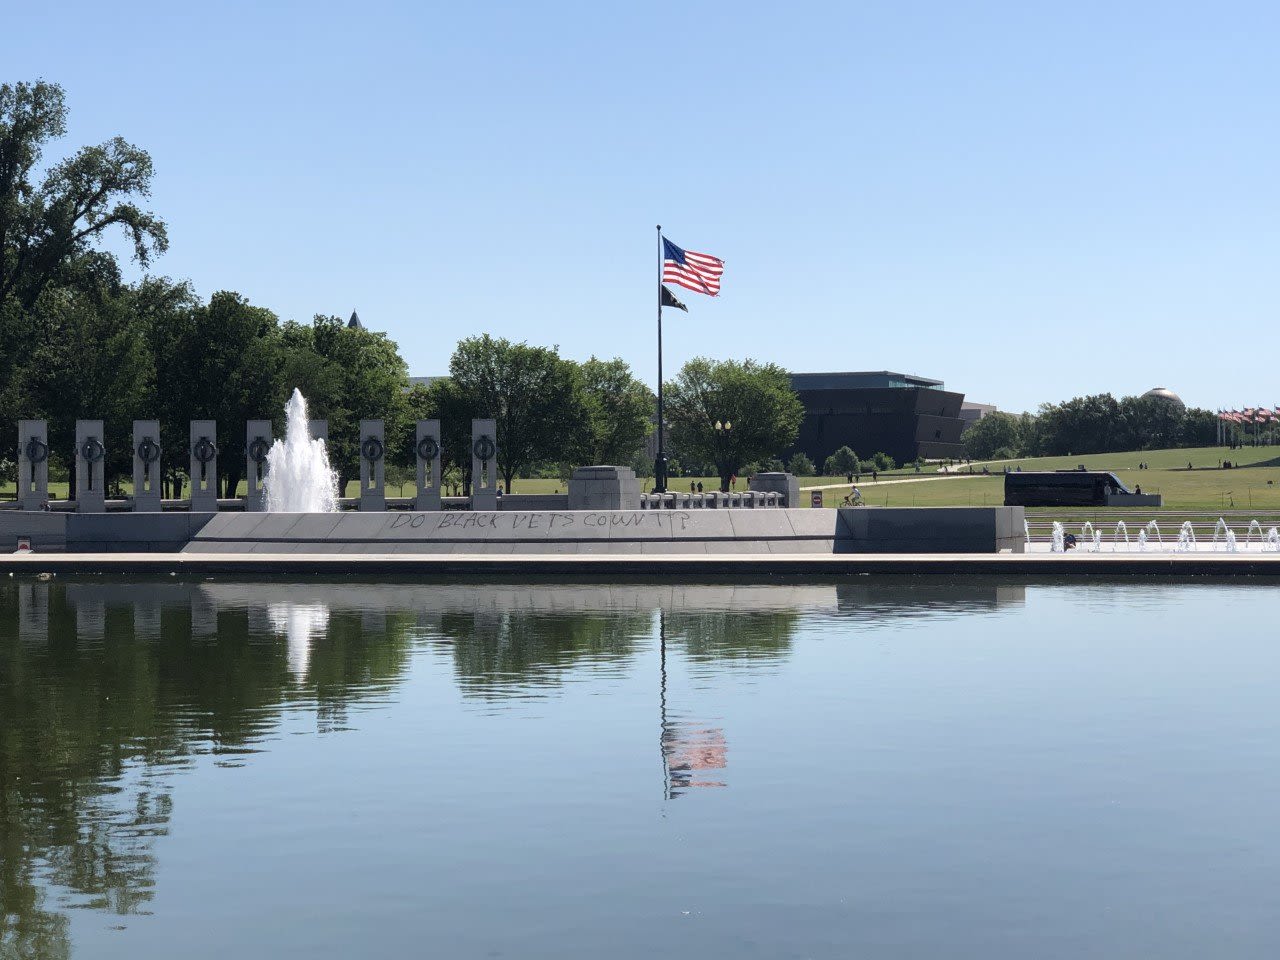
{"points": [[722, 429]]}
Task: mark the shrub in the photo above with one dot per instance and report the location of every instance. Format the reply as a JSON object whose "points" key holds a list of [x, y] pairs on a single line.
{"points": [[800, 465]]}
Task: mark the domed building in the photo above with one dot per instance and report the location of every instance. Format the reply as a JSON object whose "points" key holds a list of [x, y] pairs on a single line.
{"points": [[1164, 393]]}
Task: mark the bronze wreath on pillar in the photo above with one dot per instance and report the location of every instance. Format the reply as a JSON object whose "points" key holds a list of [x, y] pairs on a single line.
{"points": [[148, 451], [92, 450], [36, 450], [484, 448], [204, 450], [428, 449]]}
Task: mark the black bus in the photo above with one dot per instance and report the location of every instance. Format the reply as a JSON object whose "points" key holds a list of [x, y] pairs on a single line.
{"points": [[1061, 488]]}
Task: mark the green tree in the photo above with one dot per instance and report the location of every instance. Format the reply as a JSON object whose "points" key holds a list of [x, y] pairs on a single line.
{"points": [[619, 408], [47, 226], [755, 399], [347, 374], [536, 397], [93, 360], [844, 461], [995, 431], [217, 361]]}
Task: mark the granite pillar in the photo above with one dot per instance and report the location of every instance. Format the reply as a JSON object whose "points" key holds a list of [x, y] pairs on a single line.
{"points": [[427, 453], [147, 490], [33, 464], [484, 465], [257, 444], [90, 467], [204, 466], [373, 461]]}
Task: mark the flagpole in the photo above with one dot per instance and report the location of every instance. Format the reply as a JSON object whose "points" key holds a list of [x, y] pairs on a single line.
{"points": [[660, 465]]}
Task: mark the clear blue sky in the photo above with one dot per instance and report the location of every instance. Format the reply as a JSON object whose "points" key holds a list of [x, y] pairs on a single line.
{"points": [[1027, 200]]}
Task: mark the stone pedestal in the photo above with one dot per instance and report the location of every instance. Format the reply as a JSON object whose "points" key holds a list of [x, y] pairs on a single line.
{"points": [[784, 484], [146, 466], [427, 452], [604, 488], [91, 455], [484, 465], [204, 466], [373, 461], [257, 444], [33, 464]]}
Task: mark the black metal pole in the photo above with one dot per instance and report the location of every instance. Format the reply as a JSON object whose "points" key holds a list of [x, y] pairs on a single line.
{"points": [[660, 465]]}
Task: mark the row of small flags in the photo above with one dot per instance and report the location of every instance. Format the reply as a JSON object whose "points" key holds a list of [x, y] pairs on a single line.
{"points": [[1250, 415], [699, 272]]}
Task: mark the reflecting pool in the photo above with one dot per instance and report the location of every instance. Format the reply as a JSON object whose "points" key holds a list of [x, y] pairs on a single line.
{"points": [[902, 767]]}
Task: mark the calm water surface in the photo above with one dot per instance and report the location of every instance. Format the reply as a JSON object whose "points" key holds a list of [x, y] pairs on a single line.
{"points": [[871, 768]]}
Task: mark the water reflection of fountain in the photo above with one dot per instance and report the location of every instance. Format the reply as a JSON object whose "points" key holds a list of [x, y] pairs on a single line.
{"points": [[300, 623], [299, 478]]}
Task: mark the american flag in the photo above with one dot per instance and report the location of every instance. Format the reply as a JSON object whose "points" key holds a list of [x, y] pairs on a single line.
{"points": [[699, 272]]}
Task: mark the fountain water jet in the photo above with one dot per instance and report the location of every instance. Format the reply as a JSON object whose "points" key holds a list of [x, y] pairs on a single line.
{"points": [[1253, 525], [1187, 537], [299, 478], [1056, 542], [1152, 525], [1115, 538], [1219, 529]]}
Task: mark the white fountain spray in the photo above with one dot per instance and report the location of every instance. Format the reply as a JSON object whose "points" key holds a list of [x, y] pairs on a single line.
{"points": [[1186, 537], [1056, 541], [1026, 528], [1097, 541], [1115, 539], [1086, 532], [1142, 541], [1273, 539], [1248, 537], [1153, 526], [299, 478], [1219, 529], [1231, 541]]}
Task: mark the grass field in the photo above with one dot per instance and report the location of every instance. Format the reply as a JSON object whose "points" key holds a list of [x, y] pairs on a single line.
{"points": [[1252, 485]]}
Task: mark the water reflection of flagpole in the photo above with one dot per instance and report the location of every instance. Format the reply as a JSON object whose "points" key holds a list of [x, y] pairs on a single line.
{"points": [[662, 699], [687, 749]]}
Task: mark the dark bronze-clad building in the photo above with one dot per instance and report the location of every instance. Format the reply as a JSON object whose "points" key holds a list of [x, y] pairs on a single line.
{"points": [[902, 415]]}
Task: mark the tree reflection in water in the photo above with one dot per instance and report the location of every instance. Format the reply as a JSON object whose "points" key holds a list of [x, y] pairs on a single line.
{"points": [[108, 691]]}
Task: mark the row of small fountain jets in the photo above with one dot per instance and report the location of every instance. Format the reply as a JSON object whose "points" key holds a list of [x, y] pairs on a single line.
{"points": [[1223, 537]]}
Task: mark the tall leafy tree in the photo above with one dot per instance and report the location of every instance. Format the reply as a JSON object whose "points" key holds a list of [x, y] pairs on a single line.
{"points": [[217, 361], [755, 400], [620, 411], [347, 374], [995, 433], [47, 226], [93, 361], [536, 397]]}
